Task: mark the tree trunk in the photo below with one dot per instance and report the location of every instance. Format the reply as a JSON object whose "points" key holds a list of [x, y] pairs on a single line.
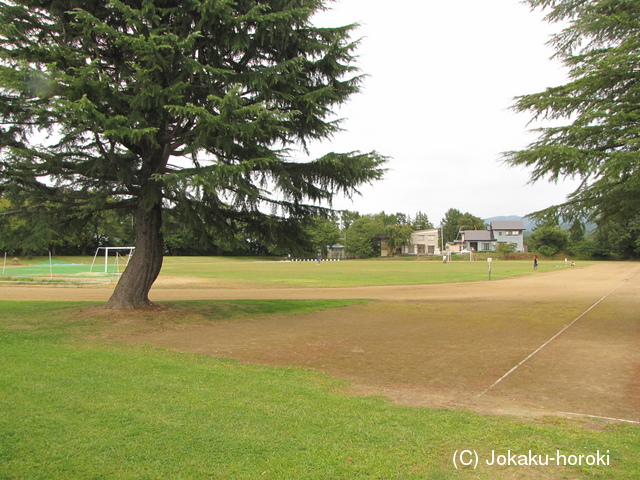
{"points": [[132, 290]]}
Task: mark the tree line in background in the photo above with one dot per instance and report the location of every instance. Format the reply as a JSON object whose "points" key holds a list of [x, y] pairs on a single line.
{"points": [[35, 234]]}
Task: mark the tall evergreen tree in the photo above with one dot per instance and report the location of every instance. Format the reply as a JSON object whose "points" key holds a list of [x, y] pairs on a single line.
{"points": [[598, 110], [193, 105]]}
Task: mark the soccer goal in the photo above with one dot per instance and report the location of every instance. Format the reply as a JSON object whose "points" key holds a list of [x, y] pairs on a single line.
{"points": [[107, 250]]}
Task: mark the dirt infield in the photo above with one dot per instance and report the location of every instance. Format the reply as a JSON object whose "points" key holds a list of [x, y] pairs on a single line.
{"points": [[447, 345]]}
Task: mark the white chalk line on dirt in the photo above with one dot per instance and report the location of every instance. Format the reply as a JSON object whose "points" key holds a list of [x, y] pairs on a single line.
{"points": [[532, 354], [598, 417]]}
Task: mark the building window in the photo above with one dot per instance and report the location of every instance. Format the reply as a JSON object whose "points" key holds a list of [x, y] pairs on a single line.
{"points": [[420, 237], [486, 246], [421, 249], [431, 238]]}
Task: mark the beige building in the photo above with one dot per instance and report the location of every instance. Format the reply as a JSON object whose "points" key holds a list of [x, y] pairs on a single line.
{"points": [[423, 242]]}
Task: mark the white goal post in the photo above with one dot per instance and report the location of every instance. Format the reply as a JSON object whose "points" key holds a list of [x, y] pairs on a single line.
{"points": [[106, 255]]}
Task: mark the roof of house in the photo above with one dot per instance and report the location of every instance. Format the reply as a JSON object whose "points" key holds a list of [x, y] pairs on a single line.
{"points": [[478, 235], [507, 225]]}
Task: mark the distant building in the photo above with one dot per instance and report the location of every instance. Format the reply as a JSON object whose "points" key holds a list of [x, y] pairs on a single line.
{"points": [[336, 252], [423, 242], [478, 240], [509, 232], [488, 240]]}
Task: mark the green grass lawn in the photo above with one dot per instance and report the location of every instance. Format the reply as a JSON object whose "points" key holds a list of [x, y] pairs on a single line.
{"points": [[74, 406], [99, 260], [351, 273], [247, 271]]}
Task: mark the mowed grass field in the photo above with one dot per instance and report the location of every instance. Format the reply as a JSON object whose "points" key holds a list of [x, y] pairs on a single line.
{"points": [[350, 273], [77, 403], [250, 272]]}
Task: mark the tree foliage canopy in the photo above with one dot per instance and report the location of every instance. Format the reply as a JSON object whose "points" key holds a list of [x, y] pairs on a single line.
{"points": [[193, 106], [421, 221], [598, 110], [397, 236], [454, 221], [362, 238], [549, 240]]}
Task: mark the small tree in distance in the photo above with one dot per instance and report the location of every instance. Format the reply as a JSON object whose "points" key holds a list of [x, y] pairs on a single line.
{"points": [[397, 235], [549, 240], [506, 249], [362, 238], [421, 222]]}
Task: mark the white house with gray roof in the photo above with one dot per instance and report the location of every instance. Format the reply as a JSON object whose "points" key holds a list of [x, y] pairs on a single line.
{"points": [[510, 231], [488, 240]]}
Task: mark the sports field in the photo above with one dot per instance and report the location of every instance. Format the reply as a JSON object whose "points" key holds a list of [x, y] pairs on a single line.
{"points": [[561, 342], [448, 344], [440, 344]]}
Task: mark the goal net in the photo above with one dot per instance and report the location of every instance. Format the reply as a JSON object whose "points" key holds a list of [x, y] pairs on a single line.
{"points": [[121, 259]]}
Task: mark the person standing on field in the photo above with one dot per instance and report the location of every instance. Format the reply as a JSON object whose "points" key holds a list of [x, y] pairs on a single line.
{"points": [[535, 262]]}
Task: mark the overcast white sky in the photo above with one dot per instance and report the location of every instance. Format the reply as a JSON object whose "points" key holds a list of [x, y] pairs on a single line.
{"points": [[442, 76]]}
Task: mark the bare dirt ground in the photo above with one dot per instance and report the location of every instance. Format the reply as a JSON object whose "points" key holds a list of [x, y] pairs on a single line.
{"points": [[449, 345]]}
